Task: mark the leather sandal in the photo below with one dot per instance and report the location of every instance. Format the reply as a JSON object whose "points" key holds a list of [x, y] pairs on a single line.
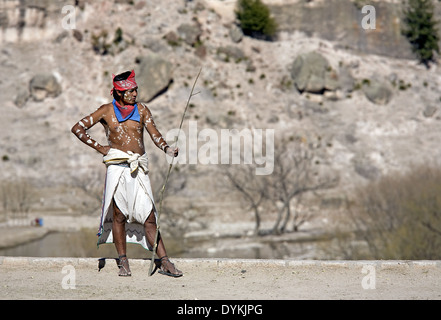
{"points": [[123, 265], [166, 270]]}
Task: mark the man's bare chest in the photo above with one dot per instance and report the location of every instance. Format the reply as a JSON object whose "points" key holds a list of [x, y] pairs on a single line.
{"points": [[121, 129]]}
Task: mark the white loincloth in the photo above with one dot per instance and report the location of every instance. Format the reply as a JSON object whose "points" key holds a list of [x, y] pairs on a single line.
{"points": [[128, 184]]}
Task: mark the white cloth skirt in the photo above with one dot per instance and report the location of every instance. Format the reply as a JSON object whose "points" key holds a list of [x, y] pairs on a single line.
{"points": [[132, 193]]}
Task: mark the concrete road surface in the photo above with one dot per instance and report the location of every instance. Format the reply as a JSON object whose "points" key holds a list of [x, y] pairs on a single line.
{"points": [[219, 279]]}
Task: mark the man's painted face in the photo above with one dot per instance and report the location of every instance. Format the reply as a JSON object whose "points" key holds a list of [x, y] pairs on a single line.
{"points": [[129, 96]]}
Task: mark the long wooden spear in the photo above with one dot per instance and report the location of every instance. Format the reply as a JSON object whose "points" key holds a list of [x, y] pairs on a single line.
{"points": [[155, 245]]}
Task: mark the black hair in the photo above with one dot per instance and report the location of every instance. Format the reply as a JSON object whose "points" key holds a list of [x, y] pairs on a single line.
{"points": [[120, 77]]}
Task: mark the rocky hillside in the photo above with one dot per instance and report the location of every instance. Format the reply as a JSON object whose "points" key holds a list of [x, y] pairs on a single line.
{"points": [[357, 95]]}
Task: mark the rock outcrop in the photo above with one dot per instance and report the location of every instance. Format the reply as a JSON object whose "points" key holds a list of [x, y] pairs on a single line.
{"points": [[377, 91], [44, 85], [312, 73], [153, 77]]}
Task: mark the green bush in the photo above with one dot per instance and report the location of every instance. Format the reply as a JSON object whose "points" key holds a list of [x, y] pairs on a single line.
{"points": [[420, 28], [255, 19]]}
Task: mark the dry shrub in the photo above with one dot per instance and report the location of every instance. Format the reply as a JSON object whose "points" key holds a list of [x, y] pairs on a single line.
{"points": [[16, 196], [399, 216]]}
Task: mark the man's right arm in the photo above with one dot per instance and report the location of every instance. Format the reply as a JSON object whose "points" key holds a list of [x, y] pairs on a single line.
{"points": [[80, 130]]}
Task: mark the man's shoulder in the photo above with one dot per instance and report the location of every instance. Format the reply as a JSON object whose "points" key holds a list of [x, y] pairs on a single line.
{"points": [[105, 107], [103, 111], [142, 106], [143, 109]]}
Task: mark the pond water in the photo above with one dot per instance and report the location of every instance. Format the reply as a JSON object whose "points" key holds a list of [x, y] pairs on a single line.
{"points": [[83, 244]]}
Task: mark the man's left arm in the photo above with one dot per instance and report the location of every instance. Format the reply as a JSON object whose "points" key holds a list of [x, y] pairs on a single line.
{"points": [[156, 136]]}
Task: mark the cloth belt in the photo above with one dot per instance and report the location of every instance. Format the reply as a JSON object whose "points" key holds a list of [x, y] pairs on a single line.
{"points": [[134, 160]]}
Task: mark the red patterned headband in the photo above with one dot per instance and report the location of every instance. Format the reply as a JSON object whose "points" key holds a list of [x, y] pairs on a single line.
{"points": [[124, 85]]}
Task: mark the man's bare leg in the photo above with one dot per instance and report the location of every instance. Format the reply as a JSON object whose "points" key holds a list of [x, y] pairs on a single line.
{"points": [[167, 267], [119, 238]]}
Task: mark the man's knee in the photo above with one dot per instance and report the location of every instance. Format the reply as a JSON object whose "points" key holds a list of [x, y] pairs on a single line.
{"points": [[151, 220], [118, 216]]}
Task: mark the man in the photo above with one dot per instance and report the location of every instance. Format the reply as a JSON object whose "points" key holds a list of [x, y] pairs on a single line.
{"points": [[127, 195]]}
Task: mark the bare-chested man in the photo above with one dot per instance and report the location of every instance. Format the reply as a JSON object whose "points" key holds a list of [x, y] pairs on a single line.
{"points": [[127, 197]]}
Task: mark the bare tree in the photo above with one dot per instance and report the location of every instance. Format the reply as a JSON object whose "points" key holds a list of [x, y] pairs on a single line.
{"points": [[92, 187], [17, 197], [294, 175], [252, 188], [176, 183]]}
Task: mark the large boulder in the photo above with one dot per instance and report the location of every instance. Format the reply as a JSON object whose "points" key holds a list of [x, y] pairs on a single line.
{"points": [[235, 33], [190, 33], [312, 73], [229, 52], [44, 85], [377, 91], [21, 97], [154, 75]]}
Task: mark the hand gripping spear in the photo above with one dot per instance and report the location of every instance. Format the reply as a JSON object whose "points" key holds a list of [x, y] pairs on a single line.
{"points": [[155, 245]]}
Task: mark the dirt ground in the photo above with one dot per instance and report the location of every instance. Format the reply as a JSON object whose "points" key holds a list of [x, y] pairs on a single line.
{"points": [[220, 279]]}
